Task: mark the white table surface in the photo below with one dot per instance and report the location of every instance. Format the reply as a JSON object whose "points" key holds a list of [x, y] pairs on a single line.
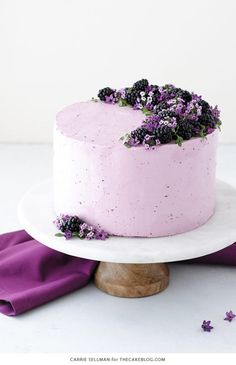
{"points": [[89, 320]]}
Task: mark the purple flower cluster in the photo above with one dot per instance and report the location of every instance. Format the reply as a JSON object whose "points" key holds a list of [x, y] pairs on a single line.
{"points": [[184, 114], [73, 226]]}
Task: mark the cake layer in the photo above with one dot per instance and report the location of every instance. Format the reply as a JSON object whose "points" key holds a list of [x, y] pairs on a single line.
{"points": [[129, 191]]}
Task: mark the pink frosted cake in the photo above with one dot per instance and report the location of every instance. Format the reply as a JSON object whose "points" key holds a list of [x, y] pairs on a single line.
{"points": [[154, 188]]}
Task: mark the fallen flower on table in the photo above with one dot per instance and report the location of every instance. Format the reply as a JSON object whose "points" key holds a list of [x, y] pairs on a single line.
{"points": [[229, 316], [206, 326]]}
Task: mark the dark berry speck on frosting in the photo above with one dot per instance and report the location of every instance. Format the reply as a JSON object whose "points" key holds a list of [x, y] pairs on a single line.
{"points": [[171, 113]]}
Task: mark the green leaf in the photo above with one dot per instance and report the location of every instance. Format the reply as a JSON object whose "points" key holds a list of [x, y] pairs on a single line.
{"points": [[218, 125], [146, 111], [122, 102], [179, 141], [126, 140], [202, 133], [59, 235]]}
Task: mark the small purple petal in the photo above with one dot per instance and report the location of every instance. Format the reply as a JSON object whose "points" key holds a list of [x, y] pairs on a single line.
{"points": [[68, 234], [206, 326], [101, 235], [229, 316]]}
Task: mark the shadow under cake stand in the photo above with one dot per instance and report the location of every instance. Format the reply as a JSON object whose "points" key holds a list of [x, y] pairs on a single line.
{"points": [[131, 267]]}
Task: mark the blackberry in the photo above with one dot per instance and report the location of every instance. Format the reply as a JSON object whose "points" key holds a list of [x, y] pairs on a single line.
{"points": [[155, 89], [164, 134], [205, 106], [185, 130], [207, 120], [170, 90], [131, 96], [160, 106], [140, 85], [196, 128], [72, 225], [107, 91], [165, 113], [184, 94], [139, 134], [155, 98]]}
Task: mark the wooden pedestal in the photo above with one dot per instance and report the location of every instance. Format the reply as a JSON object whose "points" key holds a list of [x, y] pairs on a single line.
{"points": [[131, 280]]}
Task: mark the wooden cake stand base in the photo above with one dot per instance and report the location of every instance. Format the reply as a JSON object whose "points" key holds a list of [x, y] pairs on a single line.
{"points": [[131, 280]]}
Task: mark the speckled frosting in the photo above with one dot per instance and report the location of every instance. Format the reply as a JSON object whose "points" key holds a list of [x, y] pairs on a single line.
{"points": [[129, 191]]}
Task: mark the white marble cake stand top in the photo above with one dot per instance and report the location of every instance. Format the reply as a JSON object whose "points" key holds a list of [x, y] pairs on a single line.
{"points": [[36, 215]]}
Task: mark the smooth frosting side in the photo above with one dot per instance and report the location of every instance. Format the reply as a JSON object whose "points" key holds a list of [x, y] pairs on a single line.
{"points": [[131, 191]]}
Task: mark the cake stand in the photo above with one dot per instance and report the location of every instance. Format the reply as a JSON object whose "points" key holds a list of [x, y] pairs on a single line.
{"points": [[131, 267]]}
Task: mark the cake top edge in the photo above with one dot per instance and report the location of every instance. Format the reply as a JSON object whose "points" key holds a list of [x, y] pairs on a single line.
{"points": [[144, 115]]}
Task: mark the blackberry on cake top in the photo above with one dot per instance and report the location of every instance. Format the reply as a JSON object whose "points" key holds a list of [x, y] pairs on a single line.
{"points": [[171, 114], [164, 134], [132, 96], [141, 85], [139, 134], [184, 130], [105, 92]]}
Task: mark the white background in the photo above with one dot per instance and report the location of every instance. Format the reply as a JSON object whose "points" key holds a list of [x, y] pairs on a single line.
{"points": [[56, 52]]}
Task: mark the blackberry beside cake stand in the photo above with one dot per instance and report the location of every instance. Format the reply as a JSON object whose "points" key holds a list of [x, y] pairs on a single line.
{"points": [[131, 267]]}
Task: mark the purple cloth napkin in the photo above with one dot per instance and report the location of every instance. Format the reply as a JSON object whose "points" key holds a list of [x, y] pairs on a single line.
{"points": [[32, 274], [227, 256]]}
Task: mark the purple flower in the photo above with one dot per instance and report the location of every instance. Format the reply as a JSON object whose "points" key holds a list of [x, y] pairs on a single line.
{"points": [[83, 226], [122, 93], [210, 130], [172, 123], [149, 106], [110, 99], [199, 111], [150, 89], [215, 112], [150, 142], [147, 138], [196, 97], [101, 235], [138, 106], [164, 122], [229, 316], [133, 142], [90, 235], [151, 122], [68, 234], [206, 326]]}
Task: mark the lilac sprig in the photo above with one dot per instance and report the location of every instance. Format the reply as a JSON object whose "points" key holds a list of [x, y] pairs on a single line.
{"points": [[73, 226]]}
